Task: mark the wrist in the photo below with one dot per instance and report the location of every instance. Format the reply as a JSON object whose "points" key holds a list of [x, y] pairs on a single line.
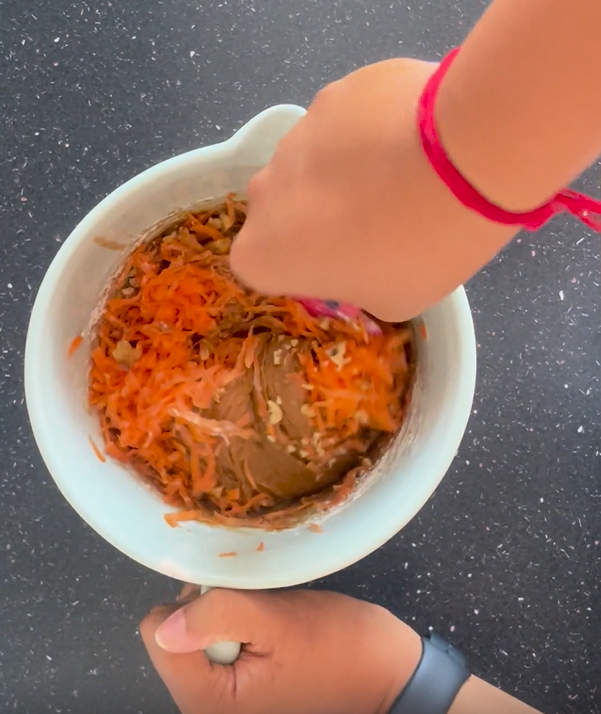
{"points": [[430, 212], [405, 648], [583, 207], [489, 148], [516, 113], [477, 696]]}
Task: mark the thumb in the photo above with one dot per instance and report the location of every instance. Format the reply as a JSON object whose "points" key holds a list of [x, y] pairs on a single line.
{"points": [[251, 258], [218, 616], [260, 254]]}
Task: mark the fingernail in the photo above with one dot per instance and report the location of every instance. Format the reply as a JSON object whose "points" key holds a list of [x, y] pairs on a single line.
{"points": [[172, 632]]}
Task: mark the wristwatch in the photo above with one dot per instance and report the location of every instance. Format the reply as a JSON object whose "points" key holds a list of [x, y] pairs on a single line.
{"points": [[439, 676]]}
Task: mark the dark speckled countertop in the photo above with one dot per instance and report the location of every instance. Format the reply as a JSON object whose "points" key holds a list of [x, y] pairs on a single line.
{"points": [[505, 558]]}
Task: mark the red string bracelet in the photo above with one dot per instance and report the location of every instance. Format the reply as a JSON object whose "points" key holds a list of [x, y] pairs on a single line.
{"points": [[587, 209]]}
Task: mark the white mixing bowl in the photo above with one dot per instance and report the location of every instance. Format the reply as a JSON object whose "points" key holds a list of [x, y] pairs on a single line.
{"points": [[121, 508]]}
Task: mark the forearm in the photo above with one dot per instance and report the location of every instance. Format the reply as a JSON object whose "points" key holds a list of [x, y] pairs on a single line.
{"points": [[519, 112], [475, 696], [479, 697]]}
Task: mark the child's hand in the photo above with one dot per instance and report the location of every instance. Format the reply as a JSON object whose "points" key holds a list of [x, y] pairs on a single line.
{"points": [[304, 653], [350, 209]]}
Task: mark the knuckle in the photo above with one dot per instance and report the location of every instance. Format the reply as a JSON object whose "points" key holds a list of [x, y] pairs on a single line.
{"points": [[256, 185], [249, 261], [213, 607], [239, 253], [153, 619], [148, 627], [223, 600], [323, 95]]}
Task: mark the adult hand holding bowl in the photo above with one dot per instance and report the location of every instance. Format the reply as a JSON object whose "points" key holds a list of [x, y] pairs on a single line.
{"points": [[121, 507]]}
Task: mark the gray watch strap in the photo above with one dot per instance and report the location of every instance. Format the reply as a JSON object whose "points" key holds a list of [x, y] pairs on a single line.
{"points": [[439, 676]]}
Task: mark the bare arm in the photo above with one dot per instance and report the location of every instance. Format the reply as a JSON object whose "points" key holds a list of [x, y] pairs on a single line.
{"points": [[519, 113], [520, 109], [477, 697]]}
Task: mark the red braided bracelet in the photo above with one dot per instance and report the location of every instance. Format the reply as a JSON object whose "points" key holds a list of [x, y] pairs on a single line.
{"points": [[587, 209]]}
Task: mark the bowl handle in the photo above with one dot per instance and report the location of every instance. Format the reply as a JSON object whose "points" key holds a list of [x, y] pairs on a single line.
{"points": [[257, 140], [221, 652]]}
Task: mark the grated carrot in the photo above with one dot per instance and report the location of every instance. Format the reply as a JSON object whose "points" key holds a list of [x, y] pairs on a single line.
{"points": [[233, 554], [162, 354], [74, 346], [99, 455], [173, 519]]}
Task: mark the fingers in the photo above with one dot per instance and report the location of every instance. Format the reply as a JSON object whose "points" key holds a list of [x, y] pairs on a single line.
{"points": [[190, 678], [159, 614], [152, 621], [256, 254], [250, 252], [266, 251], [218, 616], [189, 592], [166, 664]]}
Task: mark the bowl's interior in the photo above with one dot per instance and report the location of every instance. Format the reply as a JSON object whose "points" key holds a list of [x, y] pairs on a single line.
{"points": [[129, 514]]}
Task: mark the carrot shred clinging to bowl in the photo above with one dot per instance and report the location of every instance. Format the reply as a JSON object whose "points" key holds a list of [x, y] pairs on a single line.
{"points": [[74, 346]]}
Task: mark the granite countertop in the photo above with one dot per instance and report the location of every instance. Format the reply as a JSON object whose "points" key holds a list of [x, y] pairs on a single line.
{"points": [[504, 560]]}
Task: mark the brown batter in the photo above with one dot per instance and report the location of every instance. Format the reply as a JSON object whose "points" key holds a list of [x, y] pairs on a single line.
{"points": [[280, 459]]}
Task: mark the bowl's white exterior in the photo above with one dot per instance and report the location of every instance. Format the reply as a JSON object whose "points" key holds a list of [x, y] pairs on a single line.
{"points": [[121, 508]]}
